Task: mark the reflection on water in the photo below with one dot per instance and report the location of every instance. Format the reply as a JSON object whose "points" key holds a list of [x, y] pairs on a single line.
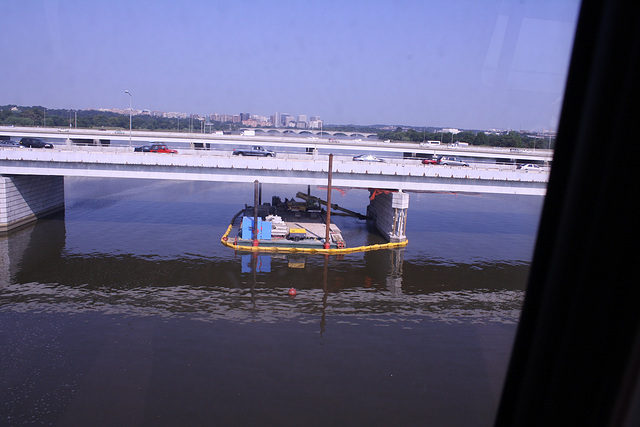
{"points": [[267, 304], [133, 278]]}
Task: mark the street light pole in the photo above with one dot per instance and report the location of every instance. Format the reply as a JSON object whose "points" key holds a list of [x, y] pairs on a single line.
{"points": [[130, 112]]}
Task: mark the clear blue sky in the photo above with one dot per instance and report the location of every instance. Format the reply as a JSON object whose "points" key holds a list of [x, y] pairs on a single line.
{"points": [[452, 63]]}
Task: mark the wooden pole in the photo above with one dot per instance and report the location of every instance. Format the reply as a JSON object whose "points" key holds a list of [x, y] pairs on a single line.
{"points": [[327, 239]]}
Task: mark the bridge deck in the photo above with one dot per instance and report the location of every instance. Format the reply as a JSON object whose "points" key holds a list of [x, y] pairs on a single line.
{"points": [[403, 174]]}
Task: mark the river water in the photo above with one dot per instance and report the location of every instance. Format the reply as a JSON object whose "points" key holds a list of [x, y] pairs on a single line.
{"points": [[127, 310]]}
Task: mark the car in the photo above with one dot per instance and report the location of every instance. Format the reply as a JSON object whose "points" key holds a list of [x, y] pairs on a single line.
{"points": [[256, 150], [367, 158], [451, 161], [34, 143], [530, 167], [8, 143], [161, 148], [155, 148], [430, 161]]}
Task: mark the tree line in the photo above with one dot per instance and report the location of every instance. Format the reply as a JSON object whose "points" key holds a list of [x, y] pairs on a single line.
{"points": [[12, 115], [508, 139]]}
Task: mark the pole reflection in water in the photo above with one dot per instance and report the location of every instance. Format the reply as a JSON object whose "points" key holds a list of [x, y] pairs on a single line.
{"points": [[127, 310], [323, 319]]}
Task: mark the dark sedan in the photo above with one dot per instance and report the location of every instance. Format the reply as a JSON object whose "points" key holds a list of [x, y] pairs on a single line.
{"points": [[34, 143]]}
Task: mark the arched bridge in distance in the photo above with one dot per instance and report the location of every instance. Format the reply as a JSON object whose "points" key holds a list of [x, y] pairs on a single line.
{"points": [[315, 132]]}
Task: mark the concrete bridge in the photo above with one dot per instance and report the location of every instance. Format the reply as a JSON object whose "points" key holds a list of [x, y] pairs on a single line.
{"points": [[285, 143], [32, 180]]}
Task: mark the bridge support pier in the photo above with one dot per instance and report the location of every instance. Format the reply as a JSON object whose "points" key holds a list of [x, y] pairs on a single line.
{"points": [[25, 198], [388, 211]]}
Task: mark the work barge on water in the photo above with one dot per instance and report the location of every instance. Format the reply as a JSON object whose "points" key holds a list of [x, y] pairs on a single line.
{"points": [[293, 226]]}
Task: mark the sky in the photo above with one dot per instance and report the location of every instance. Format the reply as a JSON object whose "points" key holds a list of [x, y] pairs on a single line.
{"points": [[467, 64]]}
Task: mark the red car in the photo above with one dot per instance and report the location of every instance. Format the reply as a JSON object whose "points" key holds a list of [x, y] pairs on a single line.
{"points": [[429, 162], [155, 148], [161, 148]]}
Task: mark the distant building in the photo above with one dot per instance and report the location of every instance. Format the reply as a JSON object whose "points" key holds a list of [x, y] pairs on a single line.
{"points": [[288, 121], [315, 124], [250, 122]]}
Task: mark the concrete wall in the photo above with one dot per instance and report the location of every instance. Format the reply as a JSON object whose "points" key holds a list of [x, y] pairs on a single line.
{"points": [[389, 213], [25, 198]]}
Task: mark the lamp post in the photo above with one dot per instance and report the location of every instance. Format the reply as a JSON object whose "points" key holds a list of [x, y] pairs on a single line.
{"points": [[130, 112]]}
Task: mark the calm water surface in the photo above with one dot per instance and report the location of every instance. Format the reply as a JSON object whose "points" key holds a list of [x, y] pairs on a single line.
{"points": [[127, 310]]}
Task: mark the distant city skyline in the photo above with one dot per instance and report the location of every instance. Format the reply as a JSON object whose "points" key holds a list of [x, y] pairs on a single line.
{"points": [[496, 64], [269, 121]]}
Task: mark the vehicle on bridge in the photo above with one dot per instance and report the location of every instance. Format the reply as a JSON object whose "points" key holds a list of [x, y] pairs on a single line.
{"points": [[155, 148], [8, 143], [530, 167], [451, 161], [256, 150], [34, 143], [430, 161], [367, 158], [428, 143]]}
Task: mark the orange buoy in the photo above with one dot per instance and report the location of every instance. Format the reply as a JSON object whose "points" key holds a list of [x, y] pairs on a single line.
{"points": [[293, 292]]}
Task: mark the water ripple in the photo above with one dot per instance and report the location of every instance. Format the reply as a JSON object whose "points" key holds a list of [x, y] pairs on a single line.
{"points": [[252, 304]]}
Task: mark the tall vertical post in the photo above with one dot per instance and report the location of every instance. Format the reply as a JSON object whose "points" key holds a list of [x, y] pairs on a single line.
{"points": [[256, 186], [130, 114], [327, 239]]}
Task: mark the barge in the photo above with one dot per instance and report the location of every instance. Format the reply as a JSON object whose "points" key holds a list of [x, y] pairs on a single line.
{"points": [[292, 226], [288, 224]]}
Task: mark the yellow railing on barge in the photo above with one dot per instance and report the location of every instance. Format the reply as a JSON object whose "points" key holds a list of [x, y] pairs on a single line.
{"points": [[225, 241]]}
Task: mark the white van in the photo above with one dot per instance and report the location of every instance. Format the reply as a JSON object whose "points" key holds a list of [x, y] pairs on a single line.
{"points": [[429, 143]]}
